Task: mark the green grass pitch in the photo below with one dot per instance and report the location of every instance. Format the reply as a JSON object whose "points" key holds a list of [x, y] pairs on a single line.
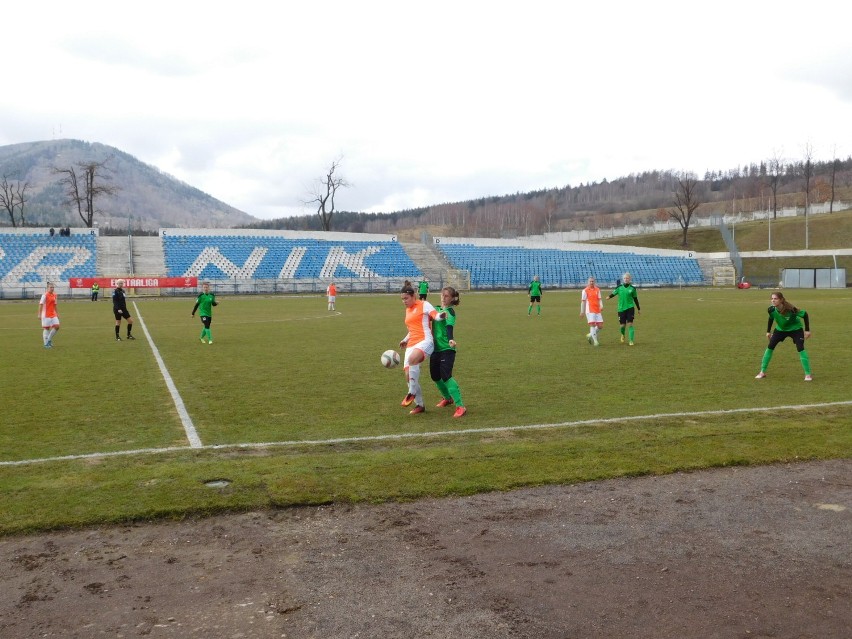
{"points": [[286, 370]]}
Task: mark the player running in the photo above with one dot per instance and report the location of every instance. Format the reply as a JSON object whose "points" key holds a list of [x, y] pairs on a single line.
{"points": [[789, 322], [628, 305], [418, 343], [49, 315], [591, 305], [204, 305]]}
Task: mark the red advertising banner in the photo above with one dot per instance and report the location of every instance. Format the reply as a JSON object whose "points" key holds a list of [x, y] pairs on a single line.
{"points": [[135, 282]]}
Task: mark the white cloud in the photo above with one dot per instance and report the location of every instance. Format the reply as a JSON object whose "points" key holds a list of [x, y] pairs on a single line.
{"points": [[428, 102]]}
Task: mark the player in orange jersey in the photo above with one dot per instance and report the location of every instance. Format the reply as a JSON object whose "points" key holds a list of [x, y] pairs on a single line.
{"points": [[591, 305], [49, 316], [418, 343], [331, 292]]}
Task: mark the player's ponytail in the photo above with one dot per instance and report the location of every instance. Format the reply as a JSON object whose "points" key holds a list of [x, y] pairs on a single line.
{"points": [[454, 295]]}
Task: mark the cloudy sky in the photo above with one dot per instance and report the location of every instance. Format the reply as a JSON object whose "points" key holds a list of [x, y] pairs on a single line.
{"points": [[428, 102]]}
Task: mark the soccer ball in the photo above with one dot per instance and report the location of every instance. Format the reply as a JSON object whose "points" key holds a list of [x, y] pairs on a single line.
{"points": [[390, 359]]}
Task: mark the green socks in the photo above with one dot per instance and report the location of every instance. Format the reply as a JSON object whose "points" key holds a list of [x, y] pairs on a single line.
{"points": [[767, 355], [630, 332], [450, 389], [806, 362], [455, 391]]}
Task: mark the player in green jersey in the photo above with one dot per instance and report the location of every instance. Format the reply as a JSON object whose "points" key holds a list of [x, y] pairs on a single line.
{"points": [[628, 303], [443, 358], [789, 322], [535, 291], [204, 305], [423, 289]]}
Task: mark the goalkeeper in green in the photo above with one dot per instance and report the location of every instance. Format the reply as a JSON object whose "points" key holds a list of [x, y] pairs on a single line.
{"points": [[628, 305], [204, 305]]}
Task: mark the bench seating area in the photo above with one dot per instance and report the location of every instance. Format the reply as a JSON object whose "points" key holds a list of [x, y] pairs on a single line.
{"points": [[34, 258], [218, 257], [515, 266]]}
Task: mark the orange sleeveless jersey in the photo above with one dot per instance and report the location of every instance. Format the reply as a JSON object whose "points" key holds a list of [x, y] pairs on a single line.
{"points": [[593, 299], [49, 301], [417, 318]]}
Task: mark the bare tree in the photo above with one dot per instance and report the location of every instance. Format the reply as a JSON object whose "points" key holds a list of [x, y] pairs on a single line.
{"points": [[83, 185], [775, 170], [686, 201], [834, 163], [324, 192], [14, 196], [807, 174]]}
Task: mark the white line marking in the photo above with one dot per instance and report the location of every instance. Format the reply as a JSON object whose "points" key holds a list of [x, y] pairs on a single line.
{"points": [[435, 434], [186, 420]]}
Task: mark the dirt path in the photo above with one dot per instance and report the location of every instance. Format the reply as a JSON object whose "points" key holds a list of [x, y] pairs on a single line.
{"points": [[739, 552]]}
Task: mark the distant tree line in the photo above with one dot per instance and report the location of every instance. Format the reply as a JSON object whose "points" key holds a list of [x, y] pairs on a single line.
{"points": [[646, 196]]}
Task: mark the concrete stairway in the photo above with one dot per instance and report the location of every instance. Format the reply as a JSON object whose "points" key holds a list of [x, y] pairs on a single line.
{"points": [[708, 265], [113, 256], [428, 260], [148, 256]]}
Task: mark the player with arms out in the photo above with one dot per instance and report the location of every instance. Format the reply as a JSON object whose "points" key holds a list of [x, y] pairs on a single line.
{"points": [[628, 306], [49, 315], [442, 360], [418, 343], [204, 305], [591, 305], [119, 309], [535, 291], [789, 322]]}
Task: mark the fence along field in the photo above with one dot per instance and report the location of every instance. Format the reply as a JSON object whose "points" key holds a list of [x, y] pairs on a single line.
{"points": [[285, 370]]}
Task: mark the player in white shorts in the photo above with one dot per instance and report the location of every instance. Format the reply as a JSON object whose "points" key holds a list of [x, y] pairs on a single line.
{"points": [[48, 314], [591, 305]]}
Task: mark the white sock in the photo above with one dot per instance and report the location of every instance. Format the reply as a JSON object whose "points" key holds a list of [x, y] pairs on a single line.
{"points": [[414, 384], [44, 335], [51, 334]]}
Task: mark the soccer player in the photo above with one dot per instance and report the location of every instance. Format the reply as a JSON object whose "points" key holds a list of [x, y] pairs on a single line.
{"points": [[789, 322], [628, 306], [418, 343], [204, 305], [119, 309], [48, 314], [423, 289], [442, 360], [535, 291], [591, 305], [331, 292]]}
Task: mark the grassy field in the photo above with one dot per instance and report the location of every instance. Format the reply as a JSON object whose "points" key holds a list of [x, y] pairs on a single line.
{"points": [[788, 234], [292, 406]]}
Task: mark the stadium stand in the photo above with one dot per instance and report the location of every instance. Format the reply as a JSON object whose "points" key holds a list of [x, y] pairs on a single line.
{"points": [[28, 257], [218, 255], [506, 265]]}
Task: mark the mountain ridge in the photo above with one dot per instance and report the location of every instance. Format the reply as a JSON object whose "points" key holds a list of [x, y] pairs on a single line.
{"points": [[146, 198]]}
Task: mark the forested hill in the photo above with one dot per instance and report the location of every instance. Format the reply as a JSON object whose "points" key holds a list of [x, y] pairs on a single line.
{"points": [[144, 196], [641, 197]]}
